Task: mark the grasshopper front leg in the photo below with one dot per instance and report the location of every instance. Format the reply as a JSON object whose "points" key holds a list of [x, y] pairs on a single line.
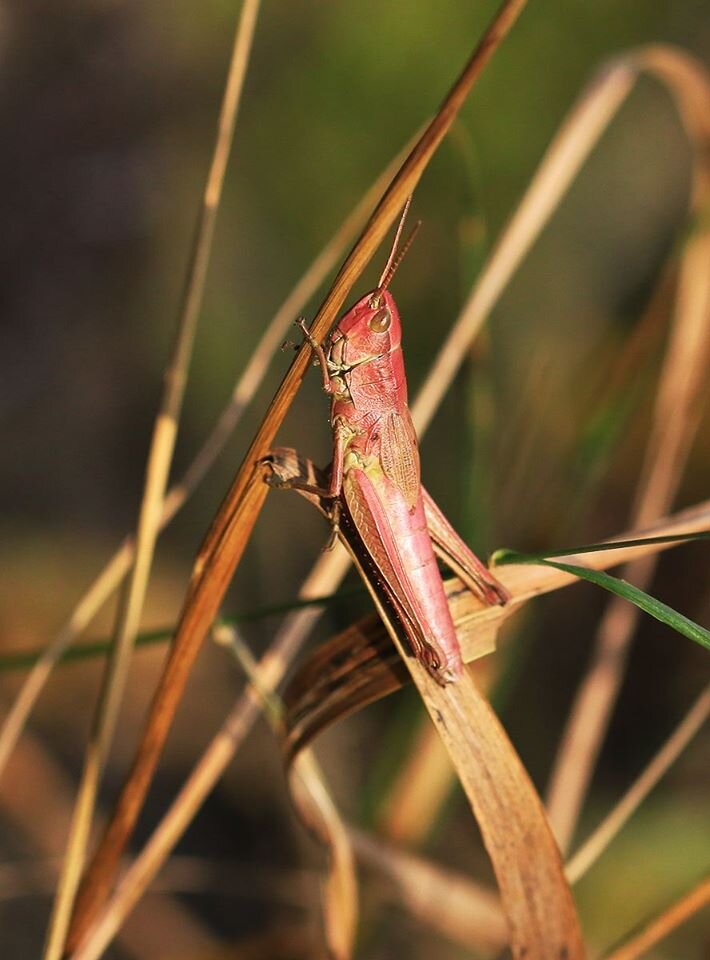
{"points": [[341, 431], [327, 367], [288, 470]]}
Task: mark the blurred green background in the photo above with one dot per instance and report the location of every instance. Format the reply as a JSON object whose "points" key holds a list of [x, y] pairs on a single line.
{"points": [[108, 116]]}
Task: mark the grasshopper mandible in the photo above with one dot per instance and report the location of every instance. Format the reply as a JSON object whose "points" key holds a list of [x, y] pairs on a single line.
{"points": [[375, 478]]}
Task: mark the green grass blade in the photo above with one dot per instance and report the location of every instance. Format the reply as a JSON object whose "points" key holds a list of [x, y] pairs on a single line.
{"points": [[26, 659], [661, 611], [506, 556]]}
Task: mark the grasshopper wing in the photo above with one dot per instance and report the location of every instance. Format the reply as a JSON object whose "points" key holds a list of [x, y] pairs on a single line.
{"points": [[387, 570], [399, 455]]}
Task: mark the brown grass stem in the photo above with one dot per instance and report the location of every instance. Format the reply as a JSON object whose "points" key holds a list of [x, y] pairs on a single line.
{"points": [[600, 838], [661, 926], [156, 478]]}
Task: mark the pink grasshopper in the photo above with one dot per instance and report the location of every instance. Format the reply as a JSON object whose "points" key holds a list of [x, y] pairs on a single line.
{"points": [[375, 479]]}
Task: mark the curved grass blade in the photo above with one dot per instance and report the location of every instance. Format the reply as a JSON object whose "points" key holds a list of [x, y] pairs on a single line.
{"points": [[506, 555], [621, 588]]}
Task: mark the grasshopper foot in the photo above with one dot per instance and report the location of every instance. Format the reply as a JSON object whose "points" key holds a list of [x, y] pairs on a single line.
{"points": [[335, 526]]}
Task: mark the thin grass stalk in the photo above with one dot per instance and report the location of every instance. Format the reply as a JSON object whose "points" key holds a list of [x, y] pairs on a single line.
{"points": [[524, 582], [246, 386], [421, 787], [38, 777], [158, 468], [677, 414], [231, 529], [459, 908], [570, 148], [663, 925], [315, 806], [600, 838]]}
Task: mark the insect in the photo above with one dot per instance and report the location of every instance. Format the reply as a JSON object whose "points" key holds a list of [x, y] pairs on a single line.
{"points": [[375, 496]]}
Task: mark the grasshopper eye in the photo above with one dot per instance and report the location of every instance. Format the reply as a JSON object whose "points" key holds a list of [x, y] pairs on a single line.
{"points": [[381, 321]]}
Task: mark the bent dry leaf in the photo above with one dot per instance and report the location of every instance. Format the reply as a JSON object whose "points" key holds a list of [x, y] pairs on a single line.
{"points": [[535, 895], [359, 666], [534, 892]]}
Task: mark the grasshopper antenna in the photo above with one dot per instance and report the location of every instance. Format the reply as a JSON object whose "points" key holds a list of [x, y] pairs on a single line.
{"points": [[394, 259]]}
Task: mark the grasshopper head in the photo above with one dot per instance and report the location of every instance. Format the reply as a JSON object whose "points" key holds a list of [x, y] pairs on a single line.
{"points": [[371, 328]]}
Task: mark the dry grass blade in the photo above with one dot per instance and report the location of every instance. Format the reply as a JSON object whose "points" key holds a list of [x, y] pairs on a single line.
{"points": [[421, 787], [157, 470], [357, 666], [663, 925], [360, 666], [234, 522], [536, 899], [36, 775], [415, 799], [120, 563], [317, 810], [458, 908], [677, 415], [592, 848], [563, 159]]}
